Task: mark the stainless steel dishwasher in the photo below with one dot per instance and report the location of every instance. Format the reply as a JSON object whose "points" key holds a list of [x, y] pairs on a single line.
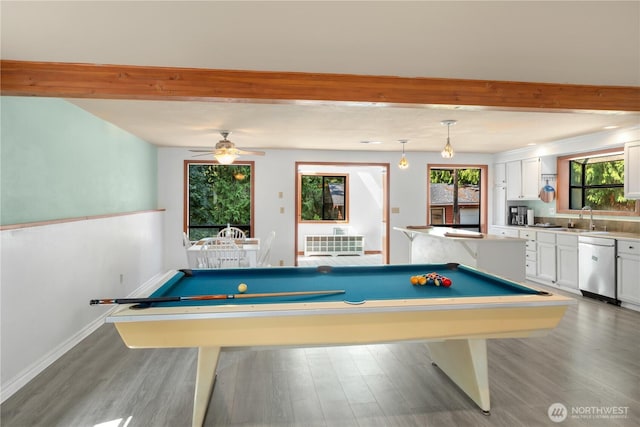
{"points": [[597, 263]]}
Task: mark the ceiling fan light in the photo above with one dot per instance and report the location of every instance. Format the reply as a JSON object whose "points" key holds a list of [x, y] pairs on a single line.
{"points": [[225, 157]]}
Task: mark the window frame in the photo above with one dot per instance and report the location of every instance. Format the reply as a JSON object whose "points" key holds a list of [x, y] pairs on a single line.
{"points": [[347, 203], [441, 210], [185, 203], [563, 184], [484, 195]]}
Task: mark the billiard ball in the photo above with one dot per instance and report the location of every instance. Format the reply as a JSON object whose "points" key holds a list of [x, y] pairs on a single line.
{"points": [[446, 282], [242, 288]]}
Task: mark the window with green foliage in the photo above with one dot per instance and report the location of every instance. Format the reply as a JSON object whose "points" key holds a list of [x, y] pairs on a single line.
{"points": [[598, 182], [323, 197], [217, 195], [455, 197]]}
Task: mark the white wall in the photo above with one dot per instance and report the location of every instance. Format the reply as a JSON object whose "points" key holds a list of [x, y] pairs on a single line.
{"points": [[49, 274], [275, 173]]}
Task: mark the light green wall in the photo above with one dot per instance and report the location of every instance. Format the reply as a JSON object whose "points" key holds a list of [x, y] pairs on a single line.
{"points": [[58, 161]]}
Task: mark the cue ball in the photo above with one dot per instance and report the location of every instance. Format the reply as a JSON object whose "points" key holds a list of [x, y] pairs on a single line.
{"points": [[242, 288]]}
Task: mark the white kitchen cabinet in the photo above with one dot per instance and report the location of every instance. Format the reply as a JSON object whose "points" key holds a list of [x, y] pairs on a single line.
{"points": [[499, 205], [628, 271], [567, 261], [546, 257], [523, 179], [500, 174], [632, 170], [531, 259], [503, 231]]}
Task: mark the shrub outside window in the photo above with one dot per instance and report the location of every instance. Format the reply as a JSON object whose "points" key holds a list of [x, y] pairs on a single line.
{"points": [[598, 182], [323, 197]]}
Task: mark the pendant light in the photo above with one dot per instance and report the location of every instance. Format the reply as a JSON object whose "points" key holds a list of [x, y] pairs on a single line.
{"points": [[447, 152], [403, 164]]}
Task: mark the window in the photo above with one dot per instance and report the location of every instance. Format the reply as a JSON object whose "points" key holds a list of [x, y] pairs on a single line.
{"points": [[594, 179], [598, 182], [217, 195], [323, 197], [457, 196], [437, 216]]}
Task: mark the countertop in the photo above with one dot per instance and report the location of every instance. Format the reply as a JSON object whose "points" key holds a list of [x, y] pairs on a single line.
{"points": [[578, 232], [451, 233]]}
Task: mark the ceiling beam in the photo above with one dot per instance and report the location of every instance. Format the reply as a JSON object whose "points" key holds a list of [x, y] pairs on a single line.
{"points": [[67, 80]]}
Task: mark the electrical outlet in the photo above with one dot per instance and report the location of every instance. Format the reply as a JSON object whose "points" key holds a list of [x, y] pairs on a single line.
{"points": [[395, 210], [281, 263], [281, 210], [552, 211]]}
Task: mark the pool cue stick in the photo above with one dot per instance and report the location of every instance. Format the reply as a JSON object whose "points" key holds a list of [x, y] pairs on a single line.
{"points": [[208, 297]]}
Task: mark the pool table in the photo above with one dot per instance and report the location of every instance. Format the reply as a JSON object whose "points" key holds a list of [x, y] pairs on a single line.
{"points": [[379, 305]]}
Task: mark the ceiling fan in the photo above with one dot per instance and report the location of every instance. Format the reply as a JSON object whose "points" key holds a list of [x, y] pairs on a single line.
{"points": [[225, 151]]}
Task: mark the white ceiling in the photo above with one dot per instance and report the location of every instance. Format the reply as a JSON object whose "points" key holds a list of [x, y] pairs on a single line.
{"points": [[564, 42]]}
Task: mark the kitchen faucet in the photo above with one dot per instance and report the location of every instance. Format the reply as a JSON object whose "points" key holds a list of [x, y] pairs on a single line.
{"points": [[592, 226]]}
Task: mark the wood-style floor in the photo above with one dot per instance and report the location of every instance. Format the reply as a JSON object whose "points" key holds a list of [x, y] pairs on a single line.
{"points": [[590, 362]]}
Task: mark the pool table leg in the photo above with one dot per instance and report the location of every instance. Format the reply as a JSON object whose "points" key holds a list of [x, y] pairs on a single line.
{"points": [[465, 362], [205, 377]]}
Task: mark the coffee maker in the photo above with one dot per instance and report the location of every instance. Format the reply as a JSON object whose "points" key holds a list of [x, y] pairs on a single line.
{"points": [[513, 215], [518, 215]]}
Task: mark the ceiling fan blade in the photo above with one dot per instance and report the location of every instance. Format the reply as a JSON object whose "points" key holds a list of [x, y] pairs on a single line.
{"points": [[203, 154], [250, 153], [208, 150]]}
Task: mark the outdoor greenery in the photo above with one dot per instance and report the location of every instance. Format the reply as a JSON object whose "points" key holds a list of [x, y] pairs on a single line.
{"points": [[312, 198], [218, 194], [446, 176], [599, 183]]}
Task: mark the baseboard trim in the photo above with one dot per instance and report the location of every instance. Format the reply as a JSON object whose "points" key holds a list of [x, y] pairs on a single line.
{"points": [[13, 385]]}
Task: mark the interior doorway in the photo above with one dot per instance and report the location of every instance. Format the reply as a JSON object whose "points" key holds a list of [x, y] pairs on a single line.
{"points": [[342, 213]]}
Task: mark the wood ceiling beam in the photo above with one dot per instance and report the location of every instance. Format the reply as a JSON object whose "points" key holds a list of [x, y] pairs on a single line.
{"points": [[67, 80]]}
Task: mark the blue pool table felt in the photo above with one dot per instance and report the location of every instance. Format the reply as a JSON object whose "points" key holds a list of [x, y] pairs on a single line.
{"points": [[360, 283]]}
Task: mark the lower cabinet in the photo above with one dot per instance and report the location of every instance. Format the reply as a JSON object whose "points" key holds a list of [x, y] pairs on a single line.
{"points": [[531, 261], [628, 271], [567, 261], [552, 259], [546, 257], [503, 231]]}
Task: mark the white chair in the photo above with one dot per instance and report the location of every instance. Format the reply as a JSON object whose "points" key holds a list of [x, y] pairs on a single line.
{"points": [[265, 251], [223, 253], [186, 243], [232, 233]]}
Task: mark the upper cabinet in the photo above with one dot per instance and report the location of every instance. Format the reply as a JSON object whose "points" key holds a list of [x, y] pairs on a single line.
{"points": [[499, 174], [523, 179], [632, 170]]}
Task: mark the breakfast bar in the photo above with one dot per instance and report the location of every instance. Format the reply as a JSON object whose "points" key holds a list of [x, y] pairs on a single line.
{"points": [[500, 255]]}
